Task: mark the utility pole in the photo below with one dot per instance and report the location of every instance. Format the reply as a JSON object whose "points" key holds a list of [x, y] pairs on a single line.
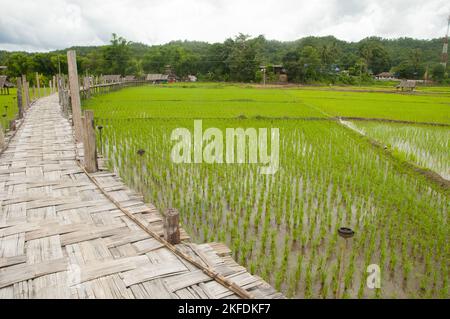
{"points": [[59, 66], [263, 69], [444, 57]]}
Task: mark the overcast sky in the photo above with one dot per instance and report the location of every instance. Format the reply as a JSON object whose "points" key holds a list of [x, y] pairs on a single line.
{"points": [[42, 25]]}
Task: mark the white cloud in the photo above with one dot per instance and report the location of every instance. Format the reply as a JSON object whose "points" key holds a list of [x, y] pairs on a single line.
{"points": [[52, 24]]}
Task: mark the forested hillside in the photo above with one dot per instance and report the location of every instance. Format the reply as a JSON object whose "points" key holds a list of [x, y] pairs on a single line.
{"points": [[307, 60]]}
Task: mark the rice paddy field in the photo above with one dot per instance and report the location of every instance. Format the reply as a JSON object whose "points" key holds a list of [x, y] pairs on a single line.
{"points": [[284, 227], [8, 107]]}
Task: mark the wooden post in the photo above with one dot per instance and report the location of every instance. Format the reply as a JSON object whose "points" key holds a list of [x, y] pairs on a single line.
{"points": [[75, 94], [2, 138], [64, 103], [25, 95], [28, 95], [38, 85], [87, 87], [58, 82], [26, 91], [172, 226], [19, 97], [90, 149], [12, 125]]}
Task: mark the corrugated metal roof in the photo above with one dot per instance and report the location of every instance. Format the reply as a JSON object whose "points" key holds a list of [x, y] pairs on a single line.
{"points": [[111, 77], [157, 77]]}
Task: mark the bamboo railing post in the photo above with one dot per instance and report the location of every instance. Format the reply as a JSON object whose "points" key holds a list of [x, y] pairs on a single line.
{"points": [[19, 97], [75, 94], [58, 83], [2, 138], [26, 91], [90, 149], [64, 103], [172, 226], [86, 88], [38, 85], [88, 82], [28, 95], [12, 125]]}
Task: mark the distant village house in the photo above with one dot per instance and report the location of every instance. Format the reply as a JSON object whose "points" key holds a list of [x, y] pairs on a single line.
{"points": [[192, 78], [275, 73], [157, 78], [129, 78], [385, 76], [280, 72], [110, 78]]}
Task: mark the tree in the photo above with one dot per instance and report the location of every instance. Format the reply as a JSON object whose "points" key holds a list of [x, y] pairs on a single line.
{"points": [[303, 65], [416, 62], [413, 67], [242, 60], [135, 68], [94, 63], [309, 63], [59, 61], [238, 59], [375, 56], [291, 64], [18, 64], [438, 73], [380, 61], [154, 61], [406, 70], [215, 64], [328, 55], [116, 55]]}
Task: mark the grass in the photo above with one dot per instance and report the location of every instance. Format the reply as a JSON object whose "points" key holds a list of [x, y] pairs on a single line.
{"points": [[416, 108], [10, 112], [219, 101], [196, 102], [284, 226]]}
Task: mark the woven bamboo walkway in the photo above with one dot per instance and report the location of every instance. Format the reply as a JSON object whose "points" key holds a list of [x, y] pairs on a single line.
{"points": [[61, 237]]}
